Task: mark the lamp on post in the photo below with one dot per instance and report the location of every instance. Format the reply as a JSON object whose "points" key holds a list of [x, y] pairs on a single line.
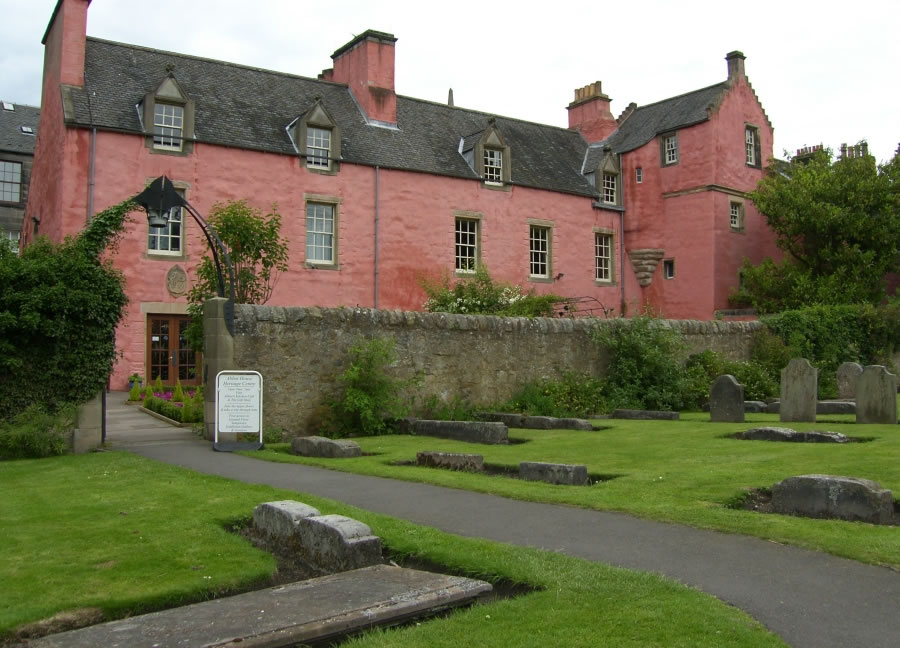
{"points": [[158, 200]]}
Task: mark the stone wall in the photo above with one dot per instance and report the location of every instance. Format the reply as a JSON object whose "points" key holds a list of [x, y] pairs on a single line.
{"points": [[301, 352]]}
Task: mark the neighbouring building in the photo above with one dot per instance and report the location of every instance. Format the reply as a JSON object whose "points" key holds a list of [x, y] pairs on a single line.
{"points": [[18, 127], [377, 190]]}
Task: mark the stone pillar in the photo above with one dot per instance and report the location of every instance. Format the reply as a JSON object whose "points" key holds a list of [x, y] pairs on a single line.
{"points": [[799, 391], [876, 396], [88, 434], [218, 355]]}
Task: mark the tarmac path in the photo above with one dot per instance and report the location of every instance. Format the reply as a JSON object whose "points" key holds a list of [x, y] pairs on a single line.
{"points": [[810, 599]]}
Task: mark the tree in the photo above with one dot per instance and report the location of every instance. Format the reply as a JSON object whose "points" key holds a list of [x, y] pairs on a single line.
{"points": [[838, 221], [258, 255], [59, 308]]}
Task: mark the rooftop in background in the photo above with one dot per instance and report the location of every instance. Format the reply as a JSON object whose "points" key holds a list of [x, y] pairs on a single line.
{"points": [[18, 127]]}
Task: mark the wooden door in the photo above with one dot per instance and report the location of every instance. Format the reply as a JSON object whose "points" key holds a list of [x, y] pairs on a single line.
{"points": [[168, 355]]}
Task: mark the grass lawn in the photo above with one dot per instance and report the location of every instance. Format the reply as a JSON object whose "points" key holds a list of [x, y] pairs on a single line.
{"points": [[681, 471], [125, 534]]}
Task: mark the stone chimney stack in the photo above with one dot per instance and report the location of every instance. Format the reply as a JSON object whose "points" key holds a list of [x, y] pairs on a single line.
{"points": [[64, 43], [366, 65], [590, 114], [735, 66]]}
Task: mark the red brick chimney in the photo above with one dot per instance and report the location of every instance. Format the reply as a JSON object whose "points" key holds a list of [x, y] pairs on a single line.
{"points": [[366, 64], [735, 66], [64, 43], [590, 114]]}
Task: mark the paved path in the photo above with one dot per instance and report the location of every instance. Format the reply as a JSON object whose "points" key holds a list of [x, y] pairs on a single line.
{"points": [[809, 599]]}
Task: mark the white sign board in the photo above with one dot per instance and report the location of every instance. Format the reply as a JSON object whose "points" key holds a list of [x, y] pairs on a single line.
{"points": [[239, 403]]}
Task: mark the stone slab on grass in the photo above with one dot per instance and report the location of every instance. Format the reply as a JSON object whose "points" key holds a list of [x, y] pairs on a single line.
{"points": [[788, 434], [829, 496], [536, 422], [554, 473], [755, 407], [317, 446], [471, 431], [281, 519], [299, 613], [822, 407], [645, 415], [451, 461]]}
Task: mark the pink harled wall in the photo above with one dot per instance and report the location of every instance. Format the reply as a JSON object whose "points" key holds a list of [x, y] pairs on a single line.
{"points": [[415, 229]]}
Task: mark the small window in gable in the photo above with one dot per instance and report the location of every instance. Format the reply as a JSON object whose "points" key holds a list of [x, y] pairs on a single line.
{"points": [[669, 268], [168, 118], [669, 149], [318, 140]]}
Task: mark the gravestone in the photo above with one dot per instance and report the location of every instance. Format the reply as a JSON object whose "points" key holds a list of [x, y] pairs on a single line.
{"points": [[830, 496], [876, 396], [847, 376], [726, 400], [799, 384]]}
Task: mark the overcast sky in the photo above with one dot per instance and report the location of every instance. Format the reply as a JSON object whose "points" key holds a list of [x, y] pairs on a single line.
{"points": [[826, 72]]}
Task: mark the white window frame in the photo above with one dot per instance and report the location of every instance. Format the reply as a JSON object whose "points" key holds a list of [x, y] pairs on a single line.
{"points": [[750, 145], [168, 126], [610, 190], [736, 216], [466, 244], [668, 268], [670, 149], [173, 230], [13, 241], [539, 260], [639, 175], [604, 246], [318, 147], [493, 166], [321, 233], [10, 181]]}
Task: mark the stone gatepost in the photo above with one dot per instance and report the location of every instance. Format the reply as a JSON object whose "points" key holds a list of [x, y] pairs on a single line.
{"points": [[726, 400], [218, 355], [88, 435], [847, 377], [876, 396], [799, 390]]}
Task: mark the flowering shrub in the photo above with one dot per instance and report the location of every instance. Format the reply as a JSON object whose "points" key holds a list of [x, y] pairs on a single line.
{"points": [[481, 295]]}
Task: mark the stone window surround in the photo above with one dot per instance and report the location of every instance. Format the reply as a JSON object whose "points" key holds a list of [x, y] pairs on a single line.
{"points": [[169, 92], [547, 226], [605, 231], [736, 211], [756, 162], [334, 202], [491, 139], [165, 255], [319, 117], [669, 155], [471, 216]]}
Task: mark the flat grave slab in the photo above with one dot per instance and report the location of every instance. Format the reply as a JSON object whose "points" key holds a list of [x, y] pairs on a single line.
{"points": [[286, 615]]}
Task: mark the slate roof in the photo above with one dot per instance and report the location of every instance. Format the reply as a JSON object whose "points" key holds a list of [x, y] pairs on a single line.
{"points": [[12, 138], [646, 122], [246, 107]]}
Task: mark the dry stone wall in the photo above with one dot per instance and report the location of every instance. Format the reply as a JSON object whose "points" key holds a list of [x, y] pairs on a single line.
{"points": [[301, 352]]}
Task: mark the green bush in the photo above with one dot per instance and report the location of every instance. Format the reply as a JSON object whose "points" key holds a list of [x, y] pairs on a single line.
{"points": [[481, 295], [178, 393], [573, 395], [371, 397], [701, 369], [135, 393], [35, 433], [456, 409], [644, 369], [189, 412]]}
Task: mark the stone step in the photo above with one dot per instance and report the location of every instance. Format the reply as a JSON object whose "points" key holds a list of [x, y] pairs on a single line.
{"points": [[287, 615]]}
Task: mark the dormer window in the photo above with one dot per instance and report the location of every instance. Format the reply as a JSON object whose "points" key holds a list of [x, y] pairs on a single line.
{"points": [[487, 154], [318, 139], [609, 188], [168, 126], [493, 166], [167, 115], [606, 178]]}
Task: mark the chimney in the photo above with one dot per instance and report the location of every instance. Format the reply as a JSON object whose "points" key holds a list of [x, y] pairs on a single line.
{"points": [[735, 66], [590, 114], [64, 43], [366, 65]]}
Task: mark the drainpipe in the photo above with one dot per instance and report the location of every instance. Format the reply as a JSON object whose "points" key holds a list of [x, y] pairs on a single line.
{"points": [[622, 243], [375, 287]]}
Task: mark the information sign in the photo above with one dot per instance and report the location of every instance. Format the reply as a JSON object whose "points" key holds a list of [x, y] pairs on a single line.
{"points": [[238, 409]]}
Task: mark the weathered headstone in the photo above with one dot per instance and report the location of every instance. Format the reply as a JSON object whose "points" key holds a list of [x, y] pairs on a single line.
{"points": [[451, 461], [829, 496], [847, 376], [726, 400], [799, 385], [554, 473], [876, 396], [316, 446]]}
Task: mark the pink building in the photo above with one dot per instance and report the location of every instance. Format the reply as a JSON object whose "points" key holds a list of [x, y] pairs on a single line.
{"points": [[376, 190]]}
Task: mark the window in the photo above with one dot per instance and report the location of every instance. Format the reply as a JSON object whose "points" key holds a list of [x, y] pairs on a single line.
{"points": [[609, 188], [736, 216], [10, 181], [12, 239], [168, 126], [669, 149], [751, 146], [466, 245], [493, 166], [603, 257], [320, 229], [318, 147], [168, 239], [639, 175], [539, 247], [669, 268]]}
